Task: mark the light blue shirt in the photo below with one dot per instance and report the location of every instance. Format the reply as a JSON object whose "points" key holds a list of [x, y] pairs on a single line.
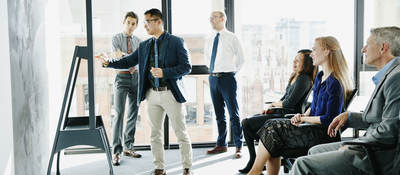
{"points": [[378, 76]]}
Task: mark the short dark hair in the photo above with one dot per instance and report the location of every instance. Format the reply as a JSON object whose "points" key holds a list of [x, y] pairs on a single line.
{"points": [[154, 12], [132, 15]]}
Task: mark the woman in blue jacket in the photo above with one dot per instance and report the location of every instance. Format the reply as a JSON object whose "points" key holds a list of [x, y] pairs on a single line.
{"points": [[297, 89], [330, 89]]}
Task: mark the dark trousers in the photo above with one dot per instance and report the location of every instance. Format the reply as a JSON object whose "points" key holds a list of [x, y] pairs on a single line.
{"points": [[126, 85], [250, 127], [223, 92]]}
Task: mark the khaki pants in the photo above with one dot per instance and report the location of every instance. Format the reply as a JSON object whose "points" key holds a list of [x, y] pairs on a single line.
{"points": [[160, 103]]}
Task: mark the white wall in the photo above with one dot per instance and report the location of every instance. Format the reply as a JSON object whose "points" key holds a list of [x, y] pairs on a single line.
{"points": [[218, 5], [6, 134]]}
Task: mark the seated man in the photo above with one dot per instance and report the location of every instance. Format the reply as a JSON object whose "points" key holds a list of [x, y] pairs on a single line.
{"points": [[381, 116]]}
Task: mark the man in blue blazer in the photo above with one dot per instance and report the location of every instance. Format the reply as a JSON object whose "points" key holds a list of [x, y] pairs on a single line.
{"points": [[163, 61]]}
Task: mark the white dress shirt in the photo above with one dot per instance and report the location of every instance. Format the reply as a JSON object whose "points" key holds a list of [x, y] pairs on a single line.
{"points": [[229, 56]]}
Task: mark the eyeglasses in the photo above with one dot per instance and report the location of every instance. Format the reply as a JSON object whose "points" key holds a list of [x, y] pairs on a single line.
{"points": [[213, 17], [150, 20]]}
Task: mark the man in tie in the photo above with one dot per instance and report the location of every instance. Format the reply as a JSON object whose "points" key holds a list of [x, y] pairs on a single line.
{"points": [[163, 60], [126, 83], [225, 55]]}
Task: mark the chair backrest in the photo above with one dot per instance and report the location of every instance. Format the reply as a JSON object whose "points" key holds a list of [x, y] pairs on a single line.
{"points": [[349, 99], [306, 104], [396, 162], [347, 103]]}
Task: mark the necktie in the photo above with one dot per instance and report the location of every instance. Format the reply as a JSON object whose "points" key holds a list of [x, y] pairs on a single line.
{"points": [[156, 81], [214, 53], [129, 45]]}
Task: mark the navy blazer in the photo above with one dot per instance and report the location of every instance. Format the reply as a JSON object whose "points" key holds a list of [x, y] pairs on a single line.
{"points": [[174, 57]]}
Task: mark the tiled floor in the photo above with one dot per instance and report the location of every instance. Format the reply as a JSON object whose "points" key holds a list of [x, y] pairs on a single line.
{"points": [[88, 164]]}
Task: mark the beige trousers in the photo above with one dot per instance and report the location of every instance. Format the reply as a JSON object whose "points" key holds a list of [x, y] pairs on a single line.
{"points": [[160, 103]]}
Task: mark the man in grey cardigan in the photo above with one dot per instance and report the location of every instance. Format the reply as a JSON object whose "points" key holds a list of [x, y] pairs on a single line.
{"points": [[380, 117]]}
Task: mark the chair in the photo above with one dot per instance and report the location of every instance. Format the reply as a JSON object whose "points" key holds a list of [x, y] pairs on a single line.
{"points": [[279, 112], [369, 148], [290, 155]]}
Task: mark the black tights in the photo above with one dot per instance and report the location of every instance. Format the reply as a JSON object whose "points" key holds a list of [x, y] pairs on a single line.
{"points": [[250, 127]]}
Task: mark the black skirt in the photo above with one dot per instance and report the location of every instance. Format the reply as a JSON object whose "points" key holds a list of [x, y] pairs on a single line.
{"points": [[278, 135]]}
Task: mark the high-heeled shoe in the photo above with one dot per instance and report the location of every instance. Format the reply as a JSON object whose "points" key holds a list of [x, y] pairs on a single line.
{"points": [[246, 170]]}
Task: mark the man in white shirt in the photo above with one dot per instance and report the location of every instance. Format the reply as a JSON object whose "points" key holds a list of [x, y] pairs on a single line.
{"points": [[225, 55]]}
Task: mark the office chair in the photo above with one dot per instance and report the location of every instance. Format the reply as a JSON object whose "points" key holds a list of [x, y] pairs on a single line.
{"points": [[290, 155]]}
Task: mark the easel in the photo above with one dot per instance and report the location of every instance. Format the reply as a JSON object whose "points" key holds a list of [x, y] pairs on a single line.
{"points": [[82, 130]]}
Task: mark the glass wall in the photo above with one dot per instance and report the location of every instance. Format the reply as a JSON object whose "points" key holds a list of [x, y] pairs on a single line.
{"points": [[107, 20], [377, 13], [272, 32], [193, 26]]}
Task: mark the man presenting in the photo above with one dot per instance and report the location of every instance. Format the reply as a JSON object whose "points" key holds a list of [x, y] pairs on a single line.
{"points": [[163, 60]]}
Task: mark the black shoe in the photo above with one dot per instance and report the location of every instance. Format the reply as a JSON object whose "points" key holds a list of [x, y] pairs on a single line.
{"points": [[244, 170], [247, 170]]}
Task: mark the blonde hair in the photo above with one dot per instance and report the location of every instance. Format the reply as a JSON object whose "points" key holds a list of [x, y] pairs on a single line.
{"points": [[337, 63]]}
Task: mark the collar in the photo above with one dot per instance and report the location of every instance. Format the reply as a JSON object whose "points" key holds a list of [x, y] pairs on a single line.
{"points": [[220, 32], [125, 35], [161, 38], [378, 76]]}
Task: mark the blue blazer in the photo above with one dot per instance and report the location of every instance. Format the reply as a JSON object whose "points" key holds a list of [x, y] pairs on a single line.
{"points": [[174, 57]]}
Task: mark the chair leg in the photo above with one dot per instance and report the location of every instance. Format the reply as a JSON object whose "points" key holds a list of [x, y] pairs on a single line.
{"points": [[58, 163], [288, 165], [285, 169]]}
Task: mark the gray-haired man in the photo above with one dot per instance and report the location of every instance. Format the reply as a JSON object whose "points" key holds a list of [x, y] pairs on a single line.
{"points": [[380, 117]]}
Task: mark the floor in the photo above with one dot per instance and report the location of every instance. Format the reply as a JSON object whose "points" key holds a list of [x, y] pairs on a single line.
{"points": [[203, 164]]}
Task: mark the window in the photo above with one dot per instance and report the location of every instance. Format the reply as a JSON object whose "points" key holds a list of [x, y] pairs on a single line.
{"points": [[200, 116], [107, 21], [377, 13], [272, 32]]}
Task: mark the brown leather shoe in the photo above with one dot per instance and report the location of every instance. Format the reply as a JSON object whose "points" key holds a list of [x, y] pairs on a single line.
{"points": [[238, 153], [187, 171], [116, 159], [159, 172], [132, 153], [217, 150]]}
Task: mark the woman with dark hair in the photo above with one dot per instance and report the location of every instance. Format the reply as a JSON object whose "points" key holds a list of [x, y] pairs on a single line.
{"points": [[331, 87], [300, 83]]}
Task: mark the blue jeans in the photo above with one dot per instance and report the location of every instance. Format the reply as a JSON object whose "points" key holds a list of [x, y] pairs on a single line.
{"points": [[223, 91], [126, 85]]}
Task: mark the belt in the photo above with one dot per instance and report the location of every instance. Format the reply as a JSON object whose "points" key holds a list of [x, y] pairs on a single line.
{"points": [[160, 88], [126, 72], [220, 74]]}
